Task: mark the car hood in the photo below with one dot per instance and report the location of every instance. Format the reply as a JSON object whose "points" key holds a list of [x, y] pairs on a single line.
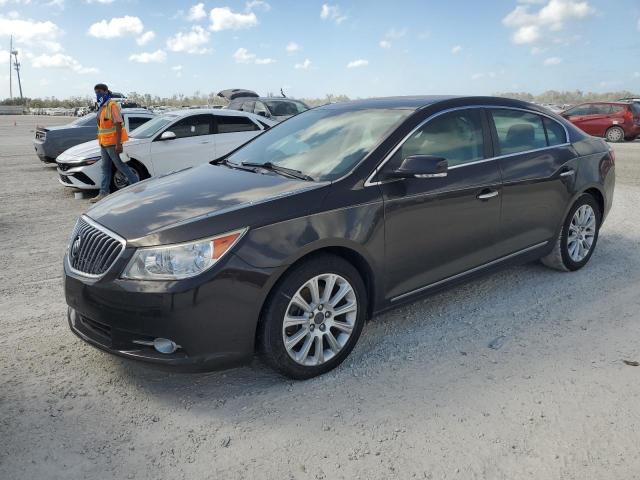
{"points": [[199, 202], [88, 149]]}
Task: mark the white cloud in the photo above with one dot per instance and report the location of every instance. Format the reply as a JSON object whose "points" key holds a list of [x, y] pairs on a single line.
{"points": [[552, 16], [55, 3], [636, 74], [392, 34], [190, 42], [456, 49], [31, 32], [103, 2], [293, 47], [158, 56], [242, 55], [477, 76], [117, 27], [145, 38], [258, 5], [306, 65], [196, 12], [537, 50], [224, 19], [358, 63], [332, 12], [61, 61], [178, 70], [526, 34], [552, 61]]}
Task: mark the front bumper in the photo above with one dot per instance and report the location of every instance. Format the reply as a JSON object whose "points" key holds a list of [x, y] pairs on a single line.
{"points": [[87, 177], [213, 317]]}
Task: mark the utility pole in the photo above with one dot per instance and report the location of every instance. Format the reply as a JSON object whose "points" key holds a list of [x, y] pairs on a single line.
{"points": [[17, 65], [10, 68]]}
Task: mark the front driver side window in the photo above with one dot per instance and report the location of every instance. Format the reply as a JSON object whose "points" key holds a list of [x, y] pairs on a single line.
{"points": [[455, 136], [192, 126]]}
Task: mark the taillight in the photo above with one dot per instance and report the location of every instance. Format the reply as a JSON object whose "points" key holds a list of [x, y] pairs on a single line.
{"points": [[628, 115], [612, 154]]}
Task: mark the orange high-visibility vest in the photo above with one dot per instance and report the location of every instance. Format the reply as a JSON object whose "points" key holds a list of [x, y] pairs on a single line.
{"points": [[106, 127]]}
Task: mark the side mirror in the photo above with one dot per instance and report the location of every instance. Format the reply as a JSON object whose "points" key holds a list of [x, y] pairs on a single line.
{"points": [[421, 166], [263, 114], [168, 135]]}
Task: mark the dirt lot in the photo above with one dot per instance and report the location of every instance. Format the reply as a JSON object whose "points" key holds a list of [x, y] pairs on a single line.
{"points": [[422, 395]]}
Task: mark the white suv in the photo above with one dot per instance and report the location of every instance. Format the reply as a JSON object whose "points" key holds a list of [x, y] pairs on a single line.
{"points": [[169, 142]]}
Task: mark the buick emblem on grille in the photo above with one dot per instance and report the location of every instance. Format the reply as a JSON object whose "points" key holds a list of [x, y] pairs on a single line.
{"points": [[75, 247]]}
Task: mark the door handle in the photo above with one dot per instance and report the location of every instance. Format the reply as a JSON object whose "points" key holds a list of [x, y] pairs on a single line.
{"points": [[487, 194], [568, 173], [204, 143]]}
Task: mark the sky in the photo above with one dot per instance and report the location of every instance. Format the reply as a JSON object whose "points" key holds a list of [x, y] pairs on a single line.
{"points": [[313, 48]]}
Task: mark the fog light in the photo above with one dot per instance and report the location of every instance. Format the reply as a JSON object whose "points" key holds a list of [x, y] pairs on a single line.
{"points": [[164, 345]]}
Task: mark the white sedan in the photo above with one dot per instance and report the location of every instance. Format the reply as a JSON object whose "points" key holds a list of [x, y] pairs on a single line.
{"points": [[169, 142]]}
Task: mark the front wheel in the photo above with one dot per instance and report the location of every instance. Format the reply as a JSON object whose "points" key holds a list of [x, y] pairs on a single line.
{"points": [[314, 317], [578, 237], [119, 180]]}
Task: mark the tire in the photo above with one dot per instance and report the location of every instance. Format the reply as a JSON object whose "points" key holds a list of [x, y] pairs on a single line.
{"points": [[614, 135], [119, 181], [564, 256], [314, 325]]}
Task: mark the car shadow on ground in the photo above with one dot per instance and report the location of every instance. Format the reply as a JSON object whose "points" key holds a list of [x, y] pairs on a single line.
{"points": [[491, 302]]}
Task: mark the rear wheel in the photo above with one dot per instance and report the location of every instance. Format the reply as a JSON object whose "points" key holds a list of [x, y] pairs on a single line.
{"points": [[615, 135], [314, 317], [578, 237]]}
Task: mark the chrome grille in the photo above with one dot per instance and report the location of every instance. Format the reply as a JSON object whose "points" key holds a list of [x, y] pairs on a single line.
{"points": [[92, 249], [41, 135]]}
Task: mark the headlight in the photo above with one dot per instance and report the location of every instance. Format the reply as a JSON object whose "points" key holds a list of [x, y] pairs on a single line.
{"points": [[83, 162], [184, 260]]}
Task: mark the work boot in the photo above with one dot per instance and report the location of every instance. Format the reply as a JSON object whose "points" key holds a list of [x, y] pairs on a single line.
{"points": [[97, 198]]}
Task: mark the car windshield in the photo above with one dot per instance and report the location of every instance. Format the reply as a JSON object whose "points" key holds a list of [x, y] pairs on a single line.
{"points": [[85, 120], [153, 126], [285, 107], [324, 144]]}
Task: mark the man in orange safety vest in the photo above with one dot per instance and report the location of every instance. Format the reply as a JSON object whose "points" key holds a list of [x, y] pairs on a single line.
{"points": [[111, 136]]}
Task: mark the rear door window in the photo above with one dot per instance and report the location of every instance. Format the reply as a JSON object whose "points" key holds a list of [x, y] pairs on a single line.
{"points": [[617, 108], [192, 126], [556, 134], [231, 124], [518, 131]]}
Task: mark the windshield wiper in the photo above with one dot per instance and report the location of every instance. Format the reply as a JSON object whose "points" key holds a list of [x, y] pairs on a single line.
{"points": [[278, 169], [224, 161]]}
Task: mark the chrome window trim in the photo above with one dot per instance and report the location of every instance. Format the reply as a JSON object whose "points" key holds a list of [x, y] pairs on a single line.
{"points": [[467, 272], [104, 230], [369, 182]]}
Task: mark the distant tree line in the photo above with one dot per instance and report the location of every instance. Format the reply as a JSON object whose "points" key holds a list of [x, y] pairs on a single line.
{"points": [[568, 97], [200, 99]]}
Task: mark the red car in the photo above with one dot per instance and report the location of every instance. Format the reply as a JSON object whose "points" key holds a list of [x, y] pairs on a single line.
{"points": [[615, 121]]}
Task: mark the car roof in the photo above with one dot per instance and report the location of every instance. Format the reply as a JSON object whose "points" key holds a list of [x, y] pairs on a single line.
{"points": [[278, 99], [217, 112], [129, 111]]}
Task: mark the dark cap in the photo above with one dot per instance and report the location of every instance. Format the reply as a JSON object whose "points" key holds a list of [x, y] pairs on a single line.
{"points": [[101, 86]]}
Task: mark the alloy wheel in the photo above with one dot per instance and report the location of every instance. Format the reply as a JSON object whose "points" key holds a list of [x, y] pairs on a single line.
{"points": [[120, 180], [582, 232], [319, 319], [615, 134]]}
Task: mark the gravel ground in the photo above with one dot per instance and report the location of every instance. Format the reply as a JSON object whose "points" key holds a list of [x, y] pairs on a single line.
{"points": [[422, 395]]}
